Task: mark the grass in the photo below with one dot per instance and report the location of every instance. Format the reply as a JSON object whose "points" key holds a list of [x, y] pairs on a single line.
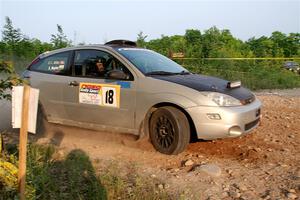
{"points": [[74, 177], [130, 186], [254, 74]]}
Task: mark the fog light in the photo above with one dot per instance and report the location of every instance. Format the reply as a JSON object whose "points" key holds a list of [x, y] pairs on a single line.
{"points": [[213, 116], [235, 131]]}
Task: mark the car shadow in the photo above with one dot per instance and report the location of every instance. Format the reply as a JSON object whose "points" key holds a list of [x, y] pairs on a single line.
{"points": [[71, 178]]}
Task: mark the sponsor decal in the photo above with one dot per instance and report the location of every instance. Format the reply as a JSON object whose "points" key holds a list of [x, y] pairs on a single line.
{"points": [[56, 65], [99, 94]]}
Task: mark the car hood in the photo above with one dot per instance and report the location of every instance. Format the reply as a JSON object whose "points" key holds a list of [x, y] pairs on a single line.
{"points": [[208, 83]]}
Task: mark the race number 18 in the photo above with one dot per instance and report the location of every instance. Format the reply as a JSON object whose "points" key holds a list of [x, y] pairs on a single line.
{"points": [[109, 96]]}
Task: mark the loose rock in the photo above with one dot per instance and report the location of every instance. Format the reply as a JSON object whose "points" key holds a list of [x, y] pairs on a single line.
{"points": [[257, 149], [210, 169], [160, 186], [153, 175], [292, 191], [189, 162], [242, 188], [176, 170], [297, 175], [291, 195], [234, 194], [229, 171]]}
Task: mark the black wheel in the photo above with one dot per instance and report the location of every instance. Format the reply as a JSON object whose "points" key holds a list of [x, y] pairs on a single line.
{"points": [[169, 130], [40, 121]]}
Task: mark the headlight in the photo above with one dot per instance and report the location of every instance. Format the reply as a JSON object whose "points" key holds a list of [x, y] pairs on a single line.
{"points": [[222, 99]]}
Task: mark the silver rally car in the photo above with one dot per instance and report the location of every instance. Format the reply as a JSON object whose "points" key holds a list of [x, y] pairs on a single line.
{"points": [[121, 88]]}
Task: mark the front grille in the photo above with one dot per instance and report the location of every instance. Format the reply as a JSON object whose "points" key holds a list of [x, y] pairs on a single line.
{"points": [[251, 124]]}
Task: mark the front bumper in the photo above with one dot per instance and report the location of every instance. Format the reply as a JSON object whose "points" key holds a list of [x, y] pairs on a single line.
{"points": [[234, 122]]}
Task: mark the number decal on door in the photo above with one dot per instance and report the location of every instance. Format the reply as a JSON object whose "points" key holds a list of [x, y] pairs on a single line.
{"points": [[109, 96], [99, 94]]}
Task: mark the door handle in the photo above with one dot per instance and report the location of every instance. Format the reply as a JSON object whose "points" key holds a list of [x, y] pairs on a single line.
{"points": [[73, 83]]}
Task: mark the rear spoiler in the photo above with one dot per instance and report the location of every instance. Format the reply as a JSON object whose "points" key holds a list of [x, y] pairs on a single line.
{"points": [[234, 84]]}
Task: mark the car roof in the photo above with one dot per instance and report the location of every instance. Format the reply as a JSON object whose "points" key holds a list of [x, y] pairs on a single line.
{"points": [[114, 44], [94, 46]]}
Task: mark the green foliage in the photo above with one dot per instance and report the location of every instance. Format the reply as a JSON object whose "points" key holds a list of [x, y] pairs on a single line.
{"points": [[59, 40], [131, 185], [278, 45], [9, 179], [141, 39], [51, 175], [72, 177], [216, 43], [16, 52], [193, 40], [16, 44], [8, 78], [11, 35], [212, 43]]}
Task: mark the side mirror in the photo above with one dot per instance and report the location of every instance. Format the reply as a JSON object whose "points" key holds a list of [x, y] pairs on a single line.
{"points": [[117, 74]]}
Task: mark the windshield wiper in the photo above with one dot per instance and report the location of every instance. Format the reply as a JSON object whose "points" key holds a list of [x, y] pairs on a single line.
{"points": [[160, 73], [184, 72]]}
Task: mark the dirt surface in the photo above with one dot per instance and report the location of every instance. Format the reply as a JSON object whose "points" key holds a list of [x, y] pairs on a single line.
{"points": [[264, 164]]}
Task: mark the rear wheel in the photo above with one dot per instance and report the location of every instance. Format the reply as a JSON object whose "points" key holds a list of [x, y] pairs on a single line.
{"points": [[40, 121], [169, 130]]}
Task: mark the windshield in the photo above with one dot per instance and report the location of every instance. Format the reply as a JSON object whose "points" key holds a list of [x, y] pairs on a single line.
{"points": [[150, 62]]}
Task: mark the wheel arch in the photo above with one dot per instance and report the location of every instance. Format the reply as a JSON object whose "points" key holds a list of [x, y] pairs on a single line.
{"points": [[144, 126]]}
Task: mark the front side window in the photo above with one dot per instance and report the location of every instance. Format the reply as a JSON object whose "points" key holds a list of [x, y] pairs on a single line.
{"points": [[96, 64], [53, 64]]}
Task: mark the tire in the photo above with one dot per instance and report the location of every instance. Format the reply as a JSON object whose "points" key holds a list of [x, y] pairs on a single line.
{"points": [[40, 121], [169, 130]]}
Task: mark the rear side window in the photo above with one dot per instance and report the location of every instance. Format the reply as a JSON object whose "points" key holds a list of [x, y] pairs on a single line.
{"points": [[54, 64]]}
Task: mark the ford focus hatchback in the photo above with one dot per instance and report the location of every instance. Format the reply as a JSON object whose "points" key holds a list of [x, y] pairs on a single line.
{"points": [[118, 87]]}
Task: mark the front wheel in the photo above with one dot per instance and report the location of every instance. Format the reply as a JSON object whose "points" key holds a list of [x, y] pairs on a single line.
{"points": [[169, 130]]}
